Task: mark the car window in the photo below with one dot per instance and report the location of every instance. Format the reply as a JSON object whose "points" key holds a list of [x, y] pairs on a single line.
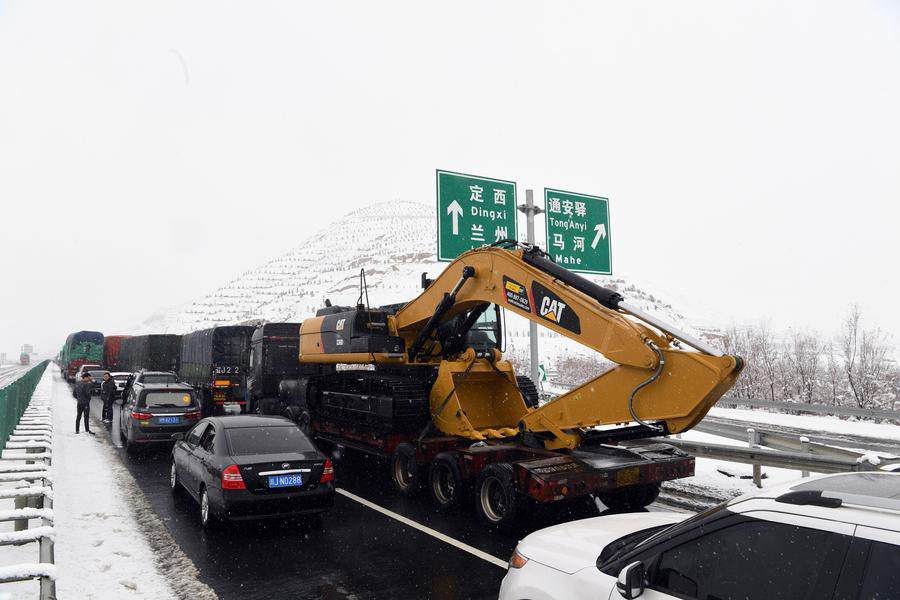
{"points": [[168, 399], [752, 560], [267, 440], [206, 442], [193, 436], [159, 379], [882, 578]]}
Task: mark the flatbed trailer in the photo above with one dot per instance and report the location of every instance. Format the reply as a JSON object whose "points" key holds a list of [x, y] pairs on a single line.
{"points": [[504, 477]]}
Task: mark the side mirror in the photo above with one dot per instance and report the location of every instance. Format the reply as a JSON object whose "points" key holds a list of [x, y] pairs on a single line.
{"points": [[631, 581], [177, 437]]}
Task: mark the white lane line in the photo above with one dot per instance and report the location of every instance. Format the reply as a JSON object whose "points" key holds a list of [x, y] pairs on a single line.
{"points": [[437, 534]]}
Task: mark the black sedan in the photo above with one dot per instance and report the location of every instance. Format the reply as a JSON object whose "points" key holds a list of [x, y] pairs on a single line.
{"points": [[251, 466]]}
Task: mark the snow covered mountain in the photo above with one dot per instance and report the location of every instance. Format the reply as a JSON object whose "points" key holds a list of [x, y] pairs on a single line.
{"points": [[394, 242]]}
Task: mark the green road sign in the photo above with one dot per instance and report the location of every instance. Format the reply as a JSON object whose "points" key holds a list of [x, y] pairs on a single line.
{"points": [[473, 212], [578, 231]]}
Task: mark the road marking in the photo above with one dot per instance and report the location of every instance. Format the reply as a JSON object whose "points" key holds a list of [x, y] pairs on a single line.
{"points": [[437, 534]]}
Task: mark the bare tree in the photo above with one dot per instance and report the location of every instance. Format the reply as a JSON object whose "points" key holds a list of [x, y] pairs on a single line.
{"points": [[765, 349], [834, 375], [865, 359], [803, 364]]}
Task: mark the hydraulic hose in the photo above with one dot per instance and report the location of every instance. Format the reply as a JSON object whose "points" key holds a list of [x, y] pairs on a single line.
{"points": [[654, 377]]}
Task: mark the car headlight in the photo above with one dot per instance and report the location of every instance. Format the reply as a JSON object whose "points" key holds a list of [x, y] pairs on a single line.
{"points": [[517, 561]]}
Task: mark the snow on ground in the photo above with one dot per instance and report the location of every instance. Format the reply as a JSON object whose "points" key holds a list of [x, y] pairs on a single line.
{"points": [[100, 551], [814, 423]]}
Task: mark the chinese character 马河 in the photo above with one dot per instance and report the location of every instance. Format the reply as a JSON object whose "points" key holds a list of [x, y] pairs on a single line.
{"points": [[476, 190], [500, 197], [580, 209], [500, 233], [558, 241], [553, 205], [477, 233], [567, 207], [579, 243]]}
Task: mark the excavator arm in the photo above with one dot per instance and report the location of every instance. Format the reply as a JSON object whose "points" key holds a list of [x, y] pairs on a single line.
{"points": [[657, 384]]}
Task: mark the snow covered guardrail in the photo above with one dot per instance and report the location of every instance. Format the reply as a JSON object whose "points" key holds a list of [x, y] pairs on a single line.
{"points": [[816, 409], [26, 428], [773, 458]]}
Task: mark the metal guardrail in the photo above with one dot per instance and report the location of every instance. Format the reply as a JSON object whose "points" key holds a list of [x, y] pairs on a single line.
{"points": [[765, 456], [779, 441], [27, 426], [817, 409]]}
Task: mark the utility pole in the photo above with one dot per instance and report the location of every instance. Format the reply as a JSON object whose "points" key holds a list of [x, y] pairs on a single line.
{"points": [[530, 210]]}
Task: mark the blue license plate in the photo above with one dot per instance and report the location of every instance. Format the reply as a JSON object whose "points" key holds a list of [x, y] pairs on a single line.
{"points": [[168, 420], [277, 481]]}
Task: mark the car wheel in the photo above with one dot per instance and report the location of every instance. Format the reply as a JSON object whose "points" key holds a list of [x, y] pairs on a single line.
{"points": [[633, 497], [207, 516], [405, 472], [496, 500], [174, 482], [445, 483]]}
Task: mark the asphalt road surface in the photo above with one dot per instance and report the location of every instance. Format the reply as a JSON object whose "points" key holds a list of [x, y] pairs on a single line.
{"points": [[357, 550]]}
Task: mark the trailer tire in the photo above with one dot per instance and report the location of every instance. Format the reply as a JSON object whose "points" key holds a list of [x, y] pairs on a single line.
{"points": [[405, 471], [496, 500], [445, 482], [633, 497]]}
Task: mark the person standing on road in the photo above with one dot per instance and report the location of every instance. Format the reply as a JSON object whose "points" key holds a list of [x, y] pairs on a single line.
{"points": [[82, 394], [107, 395]]}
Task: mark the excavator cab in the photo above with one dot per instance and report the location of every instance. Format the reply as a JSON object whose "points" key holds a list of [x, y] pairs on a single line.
{"points": [[478, 329]]}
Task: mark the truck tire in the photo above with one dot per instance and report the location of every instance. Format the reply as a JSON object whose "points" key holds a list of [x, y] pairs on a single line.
{"points": [[445, 483], [405, 471], [633, 497], [496, 500], [529, 390]]}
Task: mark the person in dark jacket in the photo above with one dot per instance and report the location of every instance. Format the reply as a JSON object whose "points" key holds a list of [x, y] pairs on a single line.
{"points": [[107, 395], [82, 395]]}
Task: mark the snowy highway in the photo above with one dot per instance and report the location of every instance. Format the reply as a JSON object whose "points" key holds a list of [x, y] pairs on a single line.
{"points": [[361, 548]]}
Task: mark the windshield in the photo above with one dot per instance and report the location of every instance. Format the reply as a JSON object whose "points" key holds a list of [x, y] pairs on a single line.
{"points": [[120, 377], [162, 378], [267, 440], [169, 398], [97, 374]]}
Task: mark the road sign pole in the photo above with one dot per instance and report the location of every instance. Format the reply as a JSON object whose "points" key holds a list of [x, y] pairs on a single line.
{"points": [[530, 211]]}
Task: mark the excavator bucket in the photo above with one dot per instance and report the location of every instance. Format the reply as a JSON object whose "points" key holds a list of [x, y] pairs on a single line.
{"points": [[477, 401]]}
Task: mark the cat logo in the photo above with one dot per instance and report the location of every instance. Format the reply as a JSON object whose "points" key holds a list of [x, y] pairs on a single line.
{"points": [[340, 325], [552, 309]]}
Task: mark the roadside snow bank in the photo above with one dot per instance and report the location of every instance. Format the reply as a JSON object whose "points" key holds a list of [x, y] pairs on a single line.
{"points": [[100, 551]]}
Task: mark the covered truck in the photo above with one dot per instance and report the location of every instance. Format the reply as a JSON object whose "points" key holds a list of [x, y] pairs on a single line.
{"points": [[156, 352], [214, 361], [81, 347], [112, 345]]}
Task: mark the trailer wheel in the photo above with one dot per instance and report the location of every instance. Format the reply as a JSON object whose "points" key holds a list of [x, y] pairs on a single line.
{"points": [[405, 471], [632, 497], [496, 500], [445, 483]]}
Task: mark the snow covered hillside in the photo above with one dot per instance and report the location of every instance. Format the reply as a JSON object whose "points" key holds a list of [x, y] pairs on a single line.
{"points": [[395, 243]]}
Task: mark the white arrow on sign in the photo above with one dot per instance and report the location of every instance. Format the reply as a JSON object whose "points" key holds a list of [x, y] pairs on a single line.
{"points": [[601, 233], [456, 210]]}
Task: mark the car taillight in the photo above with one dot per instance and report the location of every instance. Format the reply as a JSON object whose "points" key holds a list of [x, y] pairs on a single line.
{"points": [[192, 415], [232, 480], [141, 416], [327, 472]]}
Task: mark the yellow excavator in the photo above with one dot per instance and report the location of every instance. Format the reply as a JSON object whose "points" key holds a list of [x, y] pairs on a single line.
{"points": [[425, 384]]}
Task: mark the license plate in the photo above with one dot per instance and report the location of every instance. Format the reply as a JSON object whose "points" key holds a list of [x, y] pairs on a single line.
{"points": [[168, 420], [277, 481], [628, 476]]}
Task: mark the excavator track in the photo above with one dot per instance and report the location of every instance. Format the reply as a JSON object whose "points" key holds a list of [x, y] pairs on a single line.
{"points": [[382, 401]]}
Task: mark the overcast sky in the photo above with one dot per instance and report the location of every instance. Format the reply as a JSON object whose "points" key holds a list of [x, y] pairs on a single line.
{"points": [[152, 151]]}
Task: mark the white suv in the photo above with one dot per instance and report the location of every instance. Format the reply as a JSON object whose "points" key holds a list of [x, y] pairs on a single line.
{"points": [[835, 537]]}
